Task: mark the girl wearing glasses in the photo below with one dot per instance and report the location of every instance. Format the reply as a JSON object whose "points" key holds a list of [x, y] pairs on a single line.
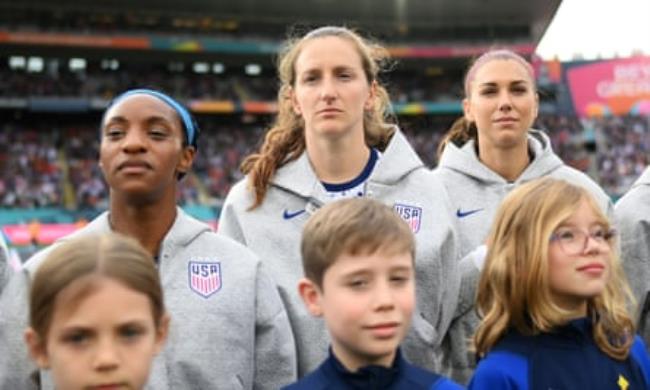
{"points": [[552, 297]]}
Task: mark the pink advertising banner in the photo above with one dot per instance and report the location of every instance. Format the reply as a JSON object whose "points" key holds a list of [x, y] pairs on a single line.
{"points": [[39, 233], [615, 87]]}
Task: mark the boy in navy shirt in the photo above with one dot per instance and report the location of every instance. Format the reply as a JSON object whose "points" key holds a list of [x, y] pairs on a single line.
{"points": [[359, 276]]}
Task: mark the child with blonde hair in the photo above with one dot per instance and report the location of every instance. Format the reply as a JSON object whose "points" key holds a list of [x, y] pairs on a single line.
{"points": [[553, 297]]}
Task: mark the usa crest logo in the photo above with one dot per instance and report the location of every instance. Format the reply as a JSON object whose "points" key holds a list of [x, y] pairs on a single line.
{"points": [[204, 277], [411, 214]]}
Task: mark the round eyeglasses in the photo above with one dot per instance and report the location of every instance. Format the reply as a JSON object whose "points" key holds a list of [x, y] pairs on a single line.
{"points": [[573, 241]]}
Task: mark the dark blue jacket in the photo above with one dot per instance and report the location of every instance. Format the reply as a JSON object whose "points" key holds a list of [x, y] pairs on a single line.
{"points": [[331, 375], [567, 358]]}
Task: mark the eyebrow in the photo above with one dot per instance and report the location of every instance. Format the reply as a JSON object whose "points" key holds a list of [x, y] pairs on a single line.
{"points": [[318, 69], [494, 83], [133, 321], [149, 120], [370, 271]]}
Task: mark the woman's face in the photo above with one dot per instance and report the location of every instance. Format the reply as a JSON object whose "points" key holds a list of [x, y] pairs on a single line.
{"points": [[502, 102], [331, 90], [141, 151]]}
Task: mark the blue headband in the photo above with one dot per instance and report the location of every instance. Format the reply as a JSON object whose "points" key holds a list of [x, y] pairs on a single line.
{"points": [[189, 125]]}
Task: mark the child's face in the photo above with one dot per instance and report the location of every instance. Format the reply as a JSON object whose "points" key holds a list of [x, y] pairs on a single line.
{"points": [[106, 340], [367, 302], [579, 259]]}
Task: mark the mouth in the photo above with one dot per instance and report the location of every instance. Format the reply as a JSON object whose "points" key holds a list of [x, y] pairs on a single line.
{"points": [[134, 166], [592, 268], [384, 330], [108, 386], [329, 111], [506, 120]]}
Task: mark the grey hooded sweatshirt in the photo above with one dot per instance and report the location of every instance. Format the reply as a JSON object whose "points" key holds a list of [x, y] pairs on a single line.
{"points": [[477, 192], [633, 221], [5, 269], [236, 336], [400, 179]]}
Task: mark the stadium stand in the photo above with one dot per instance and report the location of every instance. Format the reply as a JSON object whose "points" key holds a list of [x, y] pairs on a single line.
{"points": [[60, 65]]}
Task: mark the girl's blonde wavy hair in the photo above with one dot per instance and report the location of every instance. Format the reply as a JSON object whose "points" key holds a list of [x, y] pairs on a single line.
{"points": [[514, 292], [285, 140]]}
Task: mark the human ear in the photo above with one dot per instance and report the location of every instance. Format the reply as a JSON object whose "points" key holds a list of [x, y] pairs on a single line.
{"points": [[187, 158], [162, 333], [372, 93], [294, 102], [311, 296], [37, 348], [467, 110]]}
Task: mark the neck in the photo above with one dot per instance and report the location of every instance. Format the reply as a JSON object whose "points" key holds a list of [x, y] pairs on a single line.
{"points": [[338, 160], [353, 362], [147, 223], [509, 163], [575, 307]]}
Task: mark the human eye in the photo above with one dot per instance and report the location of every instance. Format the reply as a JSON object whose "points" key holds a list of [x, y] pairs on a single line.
{"points": [[76, 337], [131, 332], [309, 78], [400, 279], [158, 132], [345, 75], [488, 91], [114, 132], [601, 234], [359, 283], [566, 235], [519, 89]]}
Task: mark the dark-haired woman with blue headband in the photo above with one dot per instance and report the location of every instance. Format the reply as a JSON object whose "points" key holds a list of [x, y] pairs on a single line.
{"points": [[229, 328]]}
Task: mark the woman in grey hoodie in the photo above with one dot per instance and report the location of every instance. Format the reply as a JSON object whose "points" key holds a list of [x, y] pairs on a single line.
{"points": [[331, 140], [633, 220], [228, 329], [486, 154]]}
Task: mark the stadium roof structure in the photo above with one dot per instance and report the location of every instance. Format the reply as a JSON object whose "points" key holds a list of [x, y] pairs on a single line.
{"points": [[447, 21]]}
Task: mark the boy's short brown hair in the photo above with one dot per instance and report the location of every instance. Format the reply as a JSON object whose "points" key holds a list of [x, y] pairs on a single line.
{"points": [[352, 226]]}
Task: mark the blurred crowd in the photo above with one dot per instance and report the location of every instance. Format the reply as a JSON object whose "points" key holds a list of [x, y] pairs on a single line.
{"points": [[181, 80], [41, 166]]}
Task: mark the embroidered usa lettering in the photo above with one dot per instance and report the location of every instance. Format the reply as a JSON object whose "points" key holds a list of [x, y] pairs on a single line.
{"points": [[204, 277], [411, 214]]}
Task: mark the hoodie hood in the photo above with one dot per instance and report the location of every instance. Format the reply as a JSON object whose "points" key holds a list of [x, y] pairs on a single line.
{"points": [[184, 230], [644, 179], [465, 160], [396, 161]]}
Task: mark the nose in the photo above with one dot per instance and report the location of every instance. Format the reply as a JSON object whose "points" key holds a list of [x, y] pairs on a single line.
{"points": [[107, 356], [328, 89], [505, 101], [134, 140], [593, 246], [384, 298]]}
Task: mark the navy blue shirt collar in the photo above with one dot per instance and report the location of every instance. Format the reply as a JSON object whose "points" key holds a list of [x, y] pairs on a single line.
{"points": [[363, 176], [367, 377]]}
